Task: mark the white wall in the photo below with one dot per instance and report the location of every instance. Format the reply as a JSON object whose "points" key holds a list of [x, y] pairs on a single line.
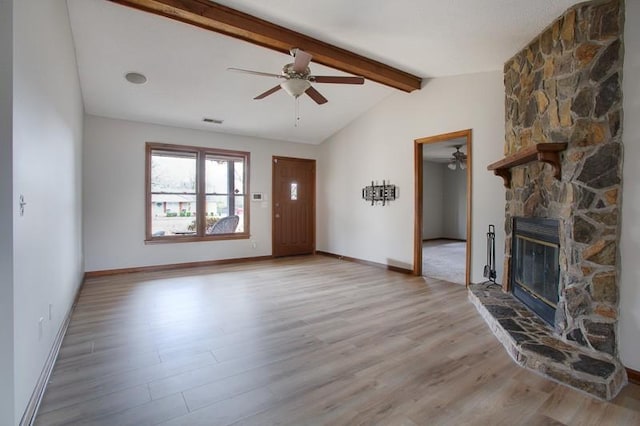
{"points": [[454, 202], [6, 213], [432, 195], [444, 193], [47, 143], [629, 325], [114, 194], [379, 145]]}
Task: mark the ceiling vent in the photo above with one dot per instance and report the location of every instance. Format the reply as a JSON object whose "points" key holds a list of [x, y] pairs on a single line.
{"points": [[212, 120]]}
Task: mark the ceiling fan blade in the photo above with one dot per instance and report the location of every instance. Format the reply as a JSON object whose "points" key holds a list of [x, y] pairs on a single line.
{"points": [[268, 92], [316, 96], [301, 61], [264, 74], [336, 79]]}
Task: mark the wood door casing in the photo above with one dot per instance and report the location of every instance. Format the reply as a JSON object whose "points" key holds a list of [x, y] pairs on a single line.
{"points": [[294, 218], [418, 207]]}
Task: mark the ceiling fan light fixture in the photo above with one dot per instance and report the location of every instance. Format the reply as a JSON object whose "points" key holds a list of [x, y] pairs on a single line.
{"points": [[458, 159], [295, 86]]}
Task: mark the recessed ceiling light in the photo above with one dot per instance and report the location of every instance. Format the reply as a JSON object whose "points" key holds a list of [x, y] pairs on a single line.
{"points": [[135, 78], [212, 120]]}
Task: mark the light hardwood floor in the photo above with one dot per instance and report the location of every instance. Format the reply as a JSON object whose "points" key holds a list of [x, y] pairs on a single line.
{"points": [[308, 340]]}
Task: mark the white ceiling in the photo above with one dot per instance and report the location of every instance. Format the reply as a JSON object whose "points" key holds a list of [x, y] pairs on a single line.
{"points": [[429, 38], [186, 66], [440, 152]]}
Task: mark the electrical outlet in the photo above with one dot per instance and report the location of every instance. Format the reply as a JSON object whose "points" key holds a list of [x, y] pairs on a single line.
{"points": [[40, 328], [253, 244]]}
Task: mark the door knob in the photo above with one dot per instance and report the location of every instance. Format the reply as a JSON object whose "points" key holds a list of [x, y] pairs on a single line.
{"points": [[277, 215]]}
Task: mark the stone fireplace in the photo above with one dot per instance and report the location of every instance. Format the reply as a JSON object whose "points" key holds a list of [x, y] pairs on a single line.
{"points": [[565, 88]]}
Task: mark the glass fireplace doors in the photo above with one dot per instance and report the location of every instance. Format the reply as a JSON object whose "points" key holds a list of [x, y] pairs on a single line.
{"points": [[535, 268]]}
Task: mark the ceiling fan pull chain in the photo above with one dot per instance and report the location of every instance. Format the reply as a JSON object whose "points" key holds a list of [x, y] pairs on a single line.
{"points": [[297, 112]]}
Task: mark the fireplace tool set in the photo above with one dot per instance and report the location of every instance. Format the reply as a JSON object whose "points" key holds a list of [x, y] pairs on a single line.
{"points": [[490, 267]]}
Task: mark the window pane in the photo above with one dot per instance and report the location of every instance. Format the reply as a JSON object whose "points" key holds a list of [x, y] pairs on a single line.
{"points": [[173, 172], [217, 208], [294, 191], [238, 172], [217, 173], [173, 214], [239, 210]]}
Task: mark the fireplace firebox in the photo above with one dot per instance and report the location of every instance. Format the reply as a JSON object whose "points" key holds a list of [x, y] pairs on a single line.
{"points": [[535, 269]]}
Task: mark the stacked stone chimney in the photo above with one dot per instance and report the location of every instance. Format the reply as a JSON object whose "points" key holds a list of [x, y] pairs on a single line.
{"points": [[565, 86]]}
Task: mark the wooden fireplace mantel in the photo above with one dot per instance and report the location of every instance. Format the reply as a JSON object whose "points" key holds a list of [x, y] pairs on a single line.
{"points": [[546, 152]]}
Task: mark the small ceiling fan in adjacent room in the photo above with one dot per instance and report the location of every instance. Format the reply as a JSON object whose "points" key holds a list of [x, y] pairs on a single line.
{"points": [[298, 78], [458, 159]]}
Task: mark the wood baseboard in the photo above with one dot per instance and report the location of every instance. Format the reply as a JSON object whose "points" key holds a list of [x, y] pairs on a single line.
{"points": [[366, 262], [633, 376], [29, 415], [159, 268]]}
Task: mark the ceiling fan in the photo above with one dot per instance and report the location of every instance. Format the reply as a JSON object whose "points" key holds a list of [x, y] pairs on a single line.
{"points": [[298, 78], [458, 159]]}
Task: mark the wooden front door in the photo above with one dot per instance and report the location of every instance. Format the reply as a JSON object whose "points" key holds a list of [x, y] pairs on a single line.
{"points": [[294, 206]]}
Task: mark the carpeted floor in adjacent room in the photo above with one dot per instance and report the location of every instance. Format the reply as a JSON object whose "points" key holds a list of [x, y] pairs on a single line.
{"points": [[444, 260]]}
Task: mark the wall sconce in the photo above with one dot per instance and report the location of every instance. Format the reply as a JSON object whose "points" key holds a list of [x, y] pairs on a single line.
{"points": [[379, 193]]}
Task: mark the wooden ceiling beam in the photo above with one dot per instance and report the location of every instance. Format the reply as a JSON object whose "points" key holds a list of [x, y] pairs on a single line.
{"points": [[224, 20]]}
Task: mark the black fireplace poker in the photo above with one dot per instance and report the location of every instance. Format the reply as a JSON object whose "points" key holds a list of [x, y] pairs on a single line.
{"points": [[490, 267]]}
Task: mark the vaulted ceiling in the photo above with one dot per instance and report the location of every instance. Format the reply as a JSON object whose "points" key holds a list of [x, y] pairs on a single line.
{"points": [[186, 65]]}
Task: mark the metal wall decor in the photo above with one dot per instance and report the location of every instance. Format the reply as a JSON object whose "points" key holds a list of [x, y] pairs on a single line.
{"points": [[379, 193]]}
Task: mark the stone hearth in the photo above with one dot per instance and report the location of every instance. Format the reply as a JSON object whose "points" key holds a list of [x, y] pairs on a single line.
{"points": [[532, 344], [565, 87]]}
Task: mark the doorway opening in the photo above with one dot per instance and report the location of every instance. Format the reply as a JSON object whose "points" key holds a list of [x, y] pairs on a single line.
{"points": [[442, 231]]}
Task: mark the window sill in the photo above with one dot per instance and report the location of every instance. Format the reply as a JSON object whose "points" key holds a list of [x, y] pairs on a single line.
{"points": [[193, 239]]}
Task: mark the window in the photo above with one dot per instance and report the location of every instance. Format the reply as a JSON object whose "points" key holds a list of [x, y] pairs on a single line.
{"points": [[196, 193]]}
